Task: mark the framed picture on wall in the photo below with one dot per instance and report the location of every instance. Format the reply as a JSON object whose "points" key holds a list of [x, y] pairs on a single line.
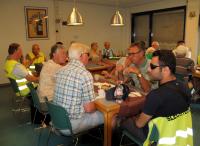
{"points": [[36, 19]]}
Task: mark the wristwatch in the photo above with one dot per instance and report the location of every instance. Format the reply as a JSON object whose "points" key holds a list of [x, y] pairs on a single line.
{"points": [[139, 75]]}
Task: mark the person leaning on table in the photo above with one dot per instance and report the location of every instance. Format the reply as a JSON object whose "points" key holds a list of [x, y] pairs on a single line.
{"points": [[137, 69], [74, 90], [164, 101]]}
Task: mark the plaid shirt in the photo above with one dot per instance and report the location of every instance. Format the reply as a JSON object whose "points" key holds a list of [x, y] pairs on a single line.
{"points": [[74, 87]]}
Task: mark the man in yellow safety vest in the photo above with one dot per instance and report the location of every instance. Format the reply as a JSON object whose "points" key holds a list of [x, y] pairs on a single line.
{"points": [[16, 70], [35, 57]]}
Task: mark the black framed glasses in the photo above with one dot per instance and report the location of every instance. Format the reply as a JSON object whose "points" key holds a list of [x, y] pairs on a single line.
{"points": [[129, 54], [153, 66]]}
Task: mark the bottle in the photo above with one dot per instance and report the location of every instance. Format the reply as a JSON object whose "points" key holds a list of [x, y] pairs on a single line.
{"points": [[39, 26], [119, 92]]}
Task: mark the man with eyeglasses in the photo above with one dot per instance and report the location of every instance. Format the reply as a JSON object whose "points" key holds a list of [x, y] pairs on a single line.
{"points": [[172, 98], [137, 70], [74, 90]]}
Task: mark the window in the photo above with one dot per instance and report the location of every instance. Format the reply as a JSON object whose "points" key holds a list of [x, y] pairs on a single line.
{"points": [[165, 26]]}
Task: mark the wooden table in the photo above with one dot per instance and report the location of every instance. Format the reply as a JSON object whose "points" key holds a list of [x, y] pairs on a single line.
{"points": [[108, 108], [97, 68]]}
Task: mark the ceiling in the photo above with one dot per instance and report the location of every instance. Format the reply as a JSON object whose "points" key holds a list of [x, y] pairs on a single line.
{"points": [[122, 3]]}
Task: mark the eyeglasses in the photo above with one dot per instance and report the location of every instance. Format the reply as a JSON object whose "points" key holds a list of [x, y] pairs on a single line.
{"points": [[129, 54], [153, 66]]}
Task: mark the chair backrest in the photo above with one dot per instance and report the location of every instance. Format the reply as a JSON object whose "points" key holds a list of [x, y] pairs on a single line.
{"points": [[14, 85], [34, 95], [154, 135], [175, 130], [59, 117]]}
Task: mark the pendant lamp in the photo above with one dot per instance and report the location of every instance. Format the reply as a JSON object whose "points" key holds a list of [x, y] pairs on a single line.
{"points": [[75, 17], [117, 19]]}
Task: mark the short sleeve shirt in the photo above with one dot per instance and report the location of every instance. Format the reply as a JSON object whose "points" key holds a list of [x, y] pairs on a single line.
{"points": [[167, 100], [74, 87]]}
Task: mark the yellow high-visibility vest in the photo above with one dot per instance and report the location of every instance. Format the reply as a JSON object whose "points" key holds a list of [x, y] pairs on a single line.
{"points": [[172, 131], [21, 82], [198, 60], [40, 59]]}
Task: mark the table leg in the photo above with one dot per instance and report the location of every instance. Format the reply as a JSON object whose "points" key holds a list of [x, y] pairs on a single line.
{"points": [[110, 119], [105, 129]]}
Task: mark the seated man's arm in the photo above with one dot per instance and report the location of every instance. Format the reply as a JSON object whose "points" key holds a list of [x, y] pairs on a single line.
{"points": [[88, 93], [32, 78], [142, 120], [89, 107], [20, 71], [145, 84], [29, 60]]}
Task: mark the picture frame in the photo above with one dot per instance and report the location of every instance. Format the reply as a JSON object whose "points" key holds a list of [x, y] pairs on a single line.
{"points": [[36, 19]]}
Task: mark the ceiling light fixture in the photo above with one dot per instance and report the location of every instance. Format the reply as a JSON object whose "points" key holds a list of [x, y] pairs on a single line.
{"points": [[117, 19], [75, 17]]}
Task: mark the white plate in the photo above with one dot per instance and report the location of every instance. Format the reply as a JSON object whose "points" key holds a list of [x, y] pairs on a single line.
{"points": [[99, 84]]}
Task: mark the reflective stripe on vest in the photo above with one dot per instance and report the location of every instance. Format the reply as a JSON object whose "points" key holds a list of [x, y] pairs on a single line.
{"points": [[21, 80], [21, 83], [174, 131], [179, 133], [21, 88], [32, 67]]}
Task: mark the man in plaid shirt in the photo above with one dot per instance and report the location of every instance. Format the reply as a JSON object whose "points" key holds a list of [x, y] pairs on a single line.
{"points": [[75, 92]]}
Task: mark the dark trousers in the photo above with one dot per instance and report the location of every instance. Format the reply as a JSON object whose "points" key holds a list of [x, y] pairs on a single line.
{"points": [[39, 117], [140, 133]]}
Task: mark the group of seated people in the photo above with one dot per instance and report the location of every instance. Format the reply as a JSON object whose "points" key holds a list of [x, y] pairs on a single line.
{"points": [[71, 85]]}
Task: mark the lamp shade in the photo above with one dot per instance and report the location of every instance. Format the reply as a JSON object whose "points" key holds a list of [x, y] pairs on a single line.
{"points": [[75, 18], [117, 19]]}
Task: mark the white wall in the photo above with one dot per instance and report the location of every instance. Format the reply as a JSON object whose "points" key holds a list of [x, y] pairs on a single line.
{"points": [[96, 26], [12, 28]]}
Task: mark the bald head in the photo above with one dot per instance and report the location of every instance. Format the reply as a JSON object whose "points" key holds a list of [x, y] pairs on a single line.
{"points": [[35, 49], [107, 45], [155, 45]]}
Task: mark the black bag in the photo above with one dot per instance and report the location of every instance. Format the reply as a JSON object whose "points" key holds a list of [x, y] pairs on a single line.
{"points": [[119, 92]]}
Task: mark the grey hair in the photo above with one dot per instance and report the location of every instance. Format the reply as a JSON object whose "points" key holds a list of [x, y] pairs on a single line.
{"points": [[54, 49], [77, 49]]}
